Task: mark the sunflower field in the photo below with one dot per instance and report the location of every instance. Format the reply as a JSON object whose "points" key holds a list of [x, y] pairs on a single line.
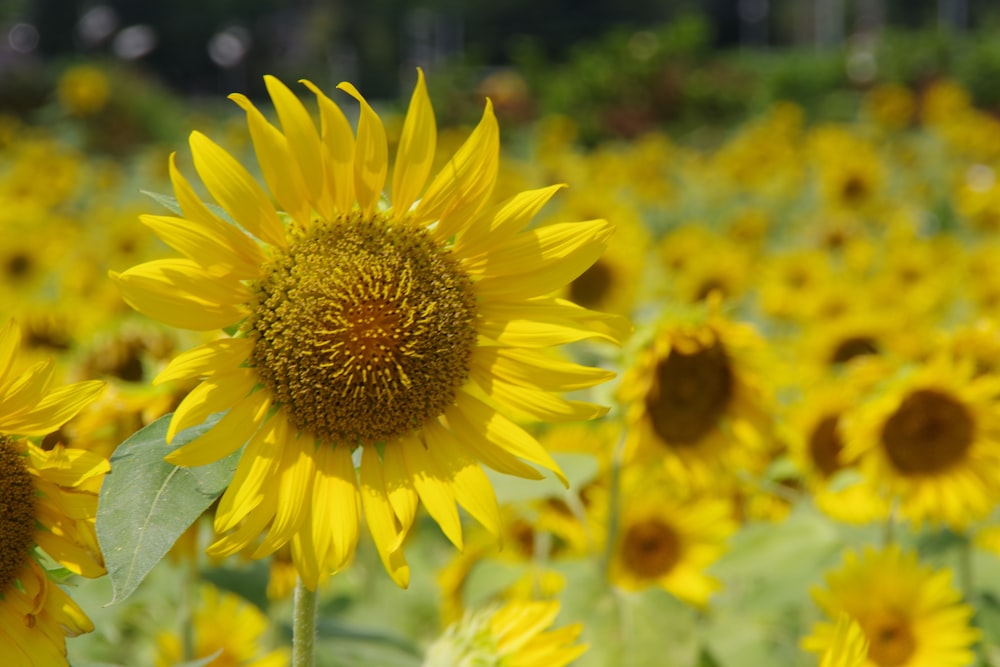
{"points": [[318, 379]]}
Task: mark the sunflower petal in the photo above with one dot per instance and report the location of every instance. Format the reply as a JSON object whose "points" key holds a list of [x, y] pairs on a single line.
{"points": [[471, 486], [434, 488], [180, 293], [295, 474], [215, 394], [534, 368], [217, 356], [371, 156], [10, 342], [226, 436], [232, 186], [338, 143], [535, 404], [485, 450], [218, 252], [336, 501], [399, 485], [462, 187], [509, 218], [277, 165], [53, 410], [381, 520], [255, 469], [415, 154], [303, 139], [505, 433]]}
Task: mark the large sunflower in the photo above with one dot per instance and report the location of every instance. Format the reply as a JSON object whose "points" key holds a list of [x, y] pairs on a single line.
{"points": [[48, 503], [400, 330], [911, 615]]}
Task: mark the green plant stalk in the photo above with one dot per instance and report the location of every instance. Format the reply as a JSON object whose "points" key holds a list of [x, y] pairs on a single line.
{"points": [[614, 506], [304, 626]]}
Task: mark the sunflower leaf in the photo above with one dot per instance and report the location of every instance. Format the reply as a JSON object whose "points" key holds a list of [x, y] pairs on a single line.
{"points": [[146, 503]]}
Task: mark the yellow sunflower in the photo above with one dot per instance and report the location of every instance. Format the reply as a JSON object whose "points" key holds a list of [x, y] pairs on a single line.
{"points": [[49, 505], [911, 615], [222, 622], [929, 440], [513, 635], [668, 539], [395, 333], [695, 399]]}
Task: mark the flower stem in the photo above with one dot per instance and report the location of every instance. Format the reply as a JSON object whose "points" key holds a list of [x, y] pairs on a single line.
{"points": [[304, 626], [614, 505]]}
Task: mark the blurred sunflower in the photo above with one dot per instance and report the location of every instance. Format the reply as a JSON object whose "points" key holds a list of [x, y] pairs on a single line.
{"points": [[911, 615], [929, 440], [695, 400], [390, 334], [668, 539], [513, 635], [813, 429], [222, 622], [49, 503]]}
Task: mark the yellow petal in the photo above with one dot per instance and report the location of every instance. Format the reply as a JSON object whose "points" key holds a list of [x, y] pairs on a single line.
{"points": [[215, 394], [381, 520], [337, 502], [276, 162], [475, 440], [532, 403], [231, 185], [471, 486], [505, 433], [434, 488], [509, 218], [255, 469], [248, 531], [226, 436], [541, 260], [68, 466], [399, 485], [465, 183], [533, 368], [307, 557], [295, 475], [180, 293], [415, 154], [371, 153], [559, 312], [217, 356], [338, 153], [71, 555], [23, 392], [303, 139], [53, 410], [218, 252]]}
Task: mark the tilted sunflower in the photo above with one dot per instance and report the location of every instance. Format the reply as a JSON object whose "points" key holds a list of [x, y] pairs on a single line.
{"points": [[848, 647], [403, 330], [49, 503], [911, 614], [928, 440]]}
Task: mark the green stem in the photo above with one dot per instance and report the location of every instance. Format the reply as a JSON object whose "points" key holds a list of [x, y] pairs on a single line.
{"points": [[614, 505], [304, 627]]}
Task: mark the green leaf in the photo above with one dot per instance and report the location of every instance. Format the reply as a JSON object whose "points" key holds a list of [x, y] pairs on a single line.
{"points": [[146, 503]]}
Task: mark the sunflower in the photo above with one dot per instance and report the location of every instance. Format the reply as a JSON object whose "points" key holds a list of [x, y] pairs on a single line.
{"points": [[695, 400], [928, 439], [513, 635], [668, 539], [49, 501], [226, 624], [813, 429], [398, 334], [911, 615]]}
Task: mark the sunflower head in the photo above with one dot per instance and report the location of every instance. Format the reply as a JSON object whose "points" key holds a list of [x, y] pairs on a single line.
{"points": [[405, 326]]}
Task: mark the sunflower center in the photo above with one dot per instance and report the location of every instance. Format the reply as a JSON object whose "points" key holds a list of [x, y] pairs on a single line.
{"points": [[363, 329], [690, 393], [825, 445], [592, 286], [929, 432], [852, 348], [891, 643], [17, 513], [650, 549]]}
